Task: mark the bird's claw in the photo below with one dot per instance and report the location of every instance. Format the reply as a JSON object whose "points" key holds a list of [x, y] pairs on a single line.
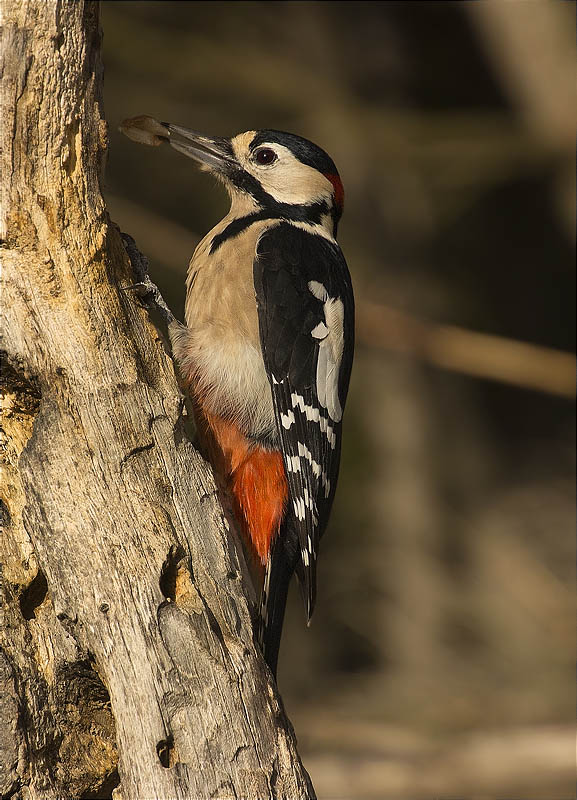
{"points": [[150, 294], [144, 289]]}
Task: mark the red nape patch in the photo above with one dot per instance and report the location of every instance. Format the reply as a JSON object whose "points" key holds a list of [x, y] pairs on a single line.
{"points": [[260, 489], [339, 191]]}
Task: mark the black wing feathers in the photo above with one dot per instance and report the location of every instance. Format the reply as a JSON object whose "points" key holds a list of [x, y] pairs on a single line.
{"points": [[287, 260]]}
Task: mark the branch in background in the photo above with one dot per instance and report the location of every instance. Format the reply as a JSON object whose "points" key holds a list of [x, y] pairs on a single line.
{"points": [[482, 355]]}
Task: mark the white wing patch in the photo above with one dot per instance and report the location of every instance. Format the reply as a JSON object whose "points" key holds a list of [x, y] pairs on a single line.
{"points": [[320, 331], [330, 334], [319, 290]]}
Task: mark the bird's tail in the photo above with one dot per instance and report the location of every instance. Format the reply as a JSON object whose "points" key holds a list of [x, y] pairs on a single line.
{"points": [[278, 573]]}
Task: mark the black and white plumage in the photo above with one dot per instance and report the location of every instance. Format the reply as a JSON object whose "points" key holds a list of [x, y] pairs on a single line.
{"points": [[306, 315], [268, 346]]}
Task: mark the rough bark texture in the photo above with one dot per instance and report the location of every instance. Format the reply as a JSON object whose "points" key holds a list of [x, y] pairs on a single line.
{"points": [[126, 643]]}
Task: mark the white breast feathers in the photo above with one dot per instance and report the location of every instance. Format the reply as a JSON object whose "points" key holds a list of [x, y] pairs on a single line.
{"points": [[219, 351]]}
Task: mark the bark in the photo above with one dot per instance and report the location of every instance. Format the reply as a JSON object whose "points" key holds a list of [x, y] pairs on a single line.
{"points": [[127, 657]]}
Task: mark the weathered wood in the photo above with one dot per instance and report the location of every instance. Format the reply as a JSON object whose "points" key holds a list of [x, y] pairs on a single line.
{"points": [[126, 639]]}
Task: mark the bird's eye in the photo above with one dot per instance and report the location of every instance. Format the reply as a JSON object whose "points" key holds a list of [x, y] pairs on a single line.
{"points": [[265, 156]]}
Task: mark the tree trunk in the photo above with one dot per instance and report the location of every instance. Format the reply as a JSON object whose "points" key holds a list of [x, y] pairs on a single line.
{"points": [[126, 642]]}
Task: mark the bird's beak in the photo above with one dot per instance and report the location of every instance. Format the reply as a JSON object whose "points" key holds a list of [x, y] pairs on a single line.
{"points": [[213, 152]]}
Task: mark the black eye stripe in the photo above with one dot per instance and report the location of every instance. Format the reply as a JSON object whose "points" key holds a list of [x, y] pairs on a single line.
{"points": [[265, 156]]}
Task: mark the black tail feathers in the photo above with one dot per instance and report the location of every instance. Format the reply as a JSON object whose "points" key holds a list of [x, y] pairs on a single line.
{"points": [[278, 574]]}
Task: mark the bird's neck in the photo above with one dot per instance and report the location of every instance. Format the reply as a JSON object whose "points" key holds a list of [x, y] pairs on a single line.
{"points": [[316, 216], [242, 205]]}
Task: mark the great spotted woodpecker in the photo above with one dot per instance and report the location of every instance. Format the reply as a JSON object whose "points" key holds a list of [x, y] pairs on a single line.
{"points": [[267, 349]]}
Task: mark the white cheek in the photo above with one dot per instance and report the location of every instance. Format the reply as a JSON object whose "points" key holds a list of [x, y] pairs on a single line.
{"points": [[289, 181]]}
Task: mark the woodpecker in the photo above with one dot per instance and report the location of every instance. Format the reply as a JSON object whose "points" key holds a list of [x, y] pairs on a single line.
{"points": [[267, 349]]}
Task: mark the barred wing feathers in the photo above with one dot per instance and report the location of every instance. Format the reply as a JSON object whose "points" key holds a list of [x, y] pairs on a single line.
{"points": [[306, 318]]}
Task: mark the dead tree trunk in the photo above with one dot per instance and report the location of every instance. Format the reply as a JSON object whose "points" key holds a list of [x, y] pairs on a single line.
{"points": [[126, 644]]}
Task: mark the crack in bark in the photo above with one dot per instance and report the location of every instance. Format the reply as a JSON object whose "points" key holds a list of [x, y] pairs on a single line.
{"points": [[33, 596], [136, 451]]}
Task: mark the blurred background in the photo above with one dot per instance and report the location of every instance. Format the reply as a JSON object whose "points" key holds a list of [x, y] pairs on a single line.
{"points": [[440, 660]]}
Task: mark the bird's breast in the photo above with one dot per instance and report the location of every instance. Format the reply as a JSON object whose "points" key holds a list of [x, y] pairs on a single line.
{"points": [[221, 352]]}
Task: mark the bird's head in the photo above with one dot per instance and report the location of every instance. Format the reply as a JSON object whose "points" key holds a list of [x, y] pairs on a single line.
{"points": [[274, 171]]}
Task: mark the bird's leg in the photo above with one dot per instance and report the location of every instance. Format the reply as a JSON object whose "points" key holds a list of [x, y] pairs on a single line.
{"points": [[150, 295], [148, 291]]}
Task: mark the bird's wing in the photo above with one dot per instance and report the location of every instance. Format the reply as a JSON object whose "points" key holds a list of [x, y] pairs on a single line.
{"points": [[306, 319]]}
